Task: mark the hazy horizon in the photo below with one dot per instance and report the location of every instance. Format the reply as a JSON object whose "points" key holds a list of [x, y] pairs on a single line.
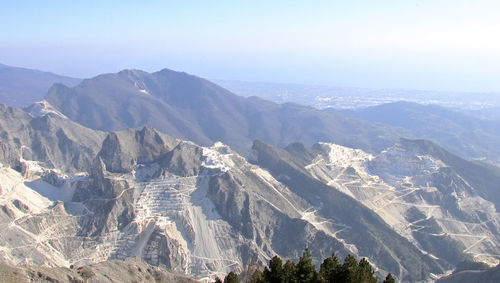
{"points": [[417, 45]]}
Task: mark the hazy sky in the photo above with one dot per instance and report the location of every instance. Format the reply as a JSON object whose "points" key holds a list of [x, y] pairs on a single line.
{"points": [[409, 44]]}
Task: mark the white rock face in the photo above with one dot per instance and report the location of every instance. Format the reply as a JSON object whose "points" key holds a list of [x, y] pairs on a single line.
{"points": [[43, 107], [13, 187], [36, 229], [141, 87], [399, 183], [179, 207], [172, 214], [206, 210]]}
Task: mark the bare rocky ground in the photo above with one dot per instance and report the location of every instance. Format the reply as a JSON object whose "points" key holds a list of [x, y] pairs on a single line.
{"points": [[129, 270]]}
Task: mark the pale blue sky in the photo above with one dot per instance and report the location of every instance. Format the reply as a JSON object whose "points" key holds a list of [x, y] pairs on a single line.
{"points": [[408, 44]]}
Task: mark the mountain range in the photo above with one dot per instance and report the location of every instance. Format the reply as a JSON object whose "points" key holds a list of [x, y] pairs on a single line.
{"points": [[462, 134], [191, 108], [129, 165], [197, 210], [201, 210]]}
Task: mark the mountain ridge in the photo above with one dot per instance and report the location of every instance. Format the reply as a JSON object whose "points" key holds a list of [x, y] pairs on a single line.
{"points": [[58, 142], [21, 87], [191, 108], [418, 188], [462, 134]]}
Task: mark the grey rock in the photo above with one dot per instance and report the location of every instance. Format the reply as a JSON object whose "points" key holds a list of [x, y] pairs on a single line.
{"points": [[55, 141]]}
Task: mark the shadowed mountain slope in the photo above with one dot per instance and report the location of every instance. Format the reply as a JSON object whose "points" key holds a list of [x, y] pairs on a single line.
{"points": [[191, 108], [461, 134], [21, 87], [491, 275]]}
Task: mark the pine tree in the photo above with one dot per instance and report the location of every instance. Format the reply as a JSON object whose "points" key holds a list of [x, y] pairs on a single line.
{"points": [[365, 272], [274, 274], [231, 278], [330, 269], [389, 279], [306, 272], [349, 270], [218, 280], [289, 271]]}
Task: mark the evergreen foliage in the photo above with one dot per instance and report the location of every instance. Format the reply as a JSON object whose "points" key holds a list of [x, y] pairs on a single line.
{"points": [[330, 269], [389, 279], [290, 270], [365, 272], [231, 278], [256, 277], [304, 271], [274, 274]]}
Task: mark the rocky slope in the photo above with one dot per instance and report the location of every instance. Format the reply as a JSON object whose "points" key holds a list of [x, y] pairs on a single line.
{"points": [[436, 200], [413, 210], [196, 210], [491, 275], [51, 139], [129, 270]]}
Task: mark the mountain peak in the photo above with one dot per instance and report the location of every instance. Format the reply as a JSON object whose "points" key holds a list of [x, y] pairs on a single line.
{"points": [[167, 70], [424, 147], [191, 108], [132, 72], [122, 150]]}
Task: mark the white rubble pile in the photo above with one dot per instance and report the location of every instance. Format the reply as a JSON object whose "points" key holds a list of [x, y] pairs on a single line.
{"points": [[396, 180]]}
